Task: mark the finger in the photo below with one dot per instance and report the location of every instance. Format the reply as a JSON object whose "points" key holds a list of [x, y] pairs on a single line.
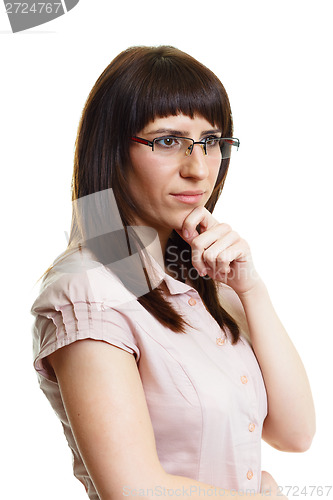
{"points": [[214, 234], [220, 276], [231, 254], [203, 256], [199, 216], [206, 246], [227, 240], [225, 259], [186, 236]]}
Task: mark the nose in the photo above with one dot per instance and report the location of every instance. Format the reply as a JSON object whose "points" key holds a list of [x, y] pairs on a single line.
{"points": [[195, 164]]}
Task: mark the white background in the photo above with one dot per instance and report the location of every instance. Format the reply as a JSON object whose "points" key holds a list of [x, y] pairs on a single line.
{"points": [[275, 60]]}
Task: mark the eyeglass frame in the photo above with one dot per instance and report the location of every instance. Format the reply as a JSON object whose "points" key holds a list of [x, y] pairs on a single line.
{"points": [[203, 143]]}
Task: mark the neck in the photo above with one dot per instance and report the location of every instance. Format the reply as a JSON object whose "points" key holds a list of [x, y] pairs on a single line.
{"points": [[154, 242]]}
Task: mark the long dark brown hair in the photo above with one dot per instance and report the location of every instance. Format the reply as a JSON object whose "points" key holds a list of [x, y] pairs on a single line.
{"points": [[140, 84]]}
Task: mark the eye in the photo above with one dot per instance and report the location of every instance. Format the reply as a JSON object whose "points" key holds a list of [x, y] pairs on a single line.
{"points": [[212, 141], [167, 142]]}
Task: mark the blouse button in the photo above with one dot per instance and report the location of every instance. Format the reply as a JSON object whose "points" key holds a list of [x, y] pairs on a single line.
{"points": [[251, 427], [249, 474], [220, 341], [244, 379], [192, 301]]}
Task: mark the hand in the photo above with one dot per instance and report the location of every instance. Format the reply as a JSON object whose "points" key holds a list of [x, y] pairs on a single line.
{"points": [[219, 251], [270, 486]]}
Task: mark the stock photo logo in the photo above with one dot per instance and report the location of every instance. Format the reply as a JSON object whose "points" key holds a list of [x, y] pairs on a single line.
{"points": [[100, 230], [25, 15]]}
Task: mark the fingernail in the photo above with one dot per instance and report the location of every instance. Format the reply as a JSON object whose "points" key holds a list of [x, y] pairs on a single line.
{"points": [[186, 234]]}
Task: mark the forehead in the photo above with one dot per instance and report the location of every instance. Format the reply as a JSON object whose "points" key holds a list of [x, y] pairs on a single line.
{"points": [[180, 123]]}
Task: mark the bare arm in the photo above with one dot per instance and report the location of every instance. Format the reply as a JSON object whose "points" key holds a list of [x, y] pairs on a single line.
{"points": [[106, 407], [226, 257], [290, 423]]}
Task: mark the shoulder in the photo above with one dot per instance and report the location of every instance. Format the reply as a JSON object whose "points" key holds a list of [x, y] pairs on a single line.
{"points": [[79, 299], [78, 277]]}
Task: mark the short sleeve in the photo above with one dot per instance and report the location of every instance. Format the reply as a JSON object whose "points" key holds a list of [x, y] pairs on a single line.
{"points": [[66, 311]]}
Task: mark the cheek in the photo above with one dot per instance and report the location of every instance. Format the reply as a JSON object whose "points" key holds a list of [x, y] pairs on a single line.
{"points": [[143, 185], [152, 178], [216, 172], [142, 170]]}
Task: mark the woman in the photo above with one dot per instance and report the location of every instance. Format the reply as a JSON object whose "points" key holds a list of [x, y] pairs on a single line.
{"points": [[182, 364]]}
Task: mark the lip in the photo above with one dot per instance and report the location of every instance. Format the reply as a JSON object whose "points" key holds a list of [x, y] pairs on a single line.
{"points": [[188, 198], [188, 193]]}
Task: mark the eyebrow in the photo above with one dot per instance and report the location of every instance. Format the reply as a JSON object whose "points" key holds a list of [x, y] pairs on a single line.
{"points": [[182, 133]]}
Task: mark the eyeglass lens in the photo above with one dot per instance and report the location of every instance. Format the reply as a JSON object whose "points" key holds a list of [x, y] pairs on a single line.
{"points": [[216, 148]]}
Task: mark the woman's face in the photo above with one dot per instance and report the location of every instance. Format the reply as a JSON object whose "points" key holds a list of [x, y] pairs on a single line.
{"points": [[154, 178]]}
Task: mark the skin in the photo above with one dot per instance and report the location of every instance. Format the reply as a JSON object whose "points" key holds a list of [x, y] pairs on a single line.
{"points": [[222, 254], [218, 251], [152, 178], [93, 398]]}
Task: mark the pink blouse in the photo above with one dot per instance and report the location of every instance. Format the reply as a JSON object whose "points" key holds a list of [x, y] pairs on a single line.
{"points": [[206, 397]]}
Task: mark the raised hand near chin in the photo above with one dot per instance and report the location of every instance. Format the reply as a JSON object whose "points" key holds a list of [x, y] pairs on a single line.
{"points": [[218, 251]]}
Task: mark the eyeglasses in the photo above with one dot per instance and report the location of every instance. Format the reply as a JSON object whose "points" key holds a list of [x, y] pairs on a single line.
{"points": [[213, 147]]}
